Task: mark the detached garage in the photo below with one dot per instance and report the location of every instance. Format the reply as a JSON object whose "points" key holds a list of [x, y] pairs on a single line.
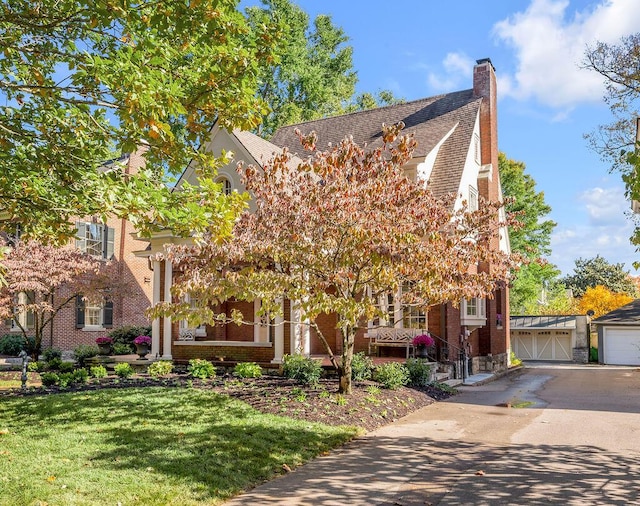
{"points": [[549, 338], [619, 335]]}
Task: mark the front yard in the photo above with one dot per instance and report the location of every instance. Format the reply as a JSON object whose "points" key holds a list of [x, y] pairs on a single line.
{"points": [[146, 446], [145, 439]]}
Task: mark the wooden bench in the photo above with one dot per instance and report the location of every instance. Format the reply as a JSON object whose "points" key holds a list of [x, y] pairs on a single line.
{"points": [[397, 338]]}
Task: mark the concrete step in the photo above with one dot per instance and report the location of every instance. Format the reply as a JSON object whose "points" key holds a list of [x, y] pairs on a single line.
{"points": [[452, 382], [442, 376]]}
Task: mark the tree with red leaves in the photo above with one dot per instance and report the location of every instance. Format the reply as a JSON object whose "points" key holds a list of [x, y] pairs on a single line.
{"points": [[35, 273], [335, 234]]}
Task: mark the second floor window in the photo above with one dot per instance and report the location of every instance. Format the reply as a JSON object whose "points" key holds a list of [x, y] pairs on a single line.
{"points": [[96, 239]]}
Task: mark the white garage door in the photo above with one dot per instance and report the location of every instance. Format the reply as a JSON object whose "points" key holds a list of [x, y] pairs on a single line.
{"points": [[621, 346], [542, 344]]}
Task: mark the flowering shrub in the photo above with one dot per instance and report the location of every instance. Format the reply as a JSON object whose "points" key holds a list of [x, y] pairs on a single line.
{"points": [[104, 340], [423, 340], [142, 340]]}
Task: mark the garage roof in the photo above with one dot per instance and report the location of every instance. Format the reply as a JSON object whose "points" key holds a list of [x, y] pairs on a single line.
{"points": [[625, 315], [543, 322]]}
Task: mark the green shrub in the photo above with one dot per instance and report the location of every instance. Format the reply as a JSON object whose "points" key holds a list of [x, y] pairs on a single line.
{"points": [[65, 366], [361, 367], [83, 352], [203, 369], [392, 375], [515, 361], [80, 376], [419, 372], [65, 379], [35, 366], [121, 349], [51, 353], [12, 344], [54, 364], [125, 336], [123, 370], [98, 371], [49, 378], [247, 370], [160, 368], [302, 369], [593, 354]]}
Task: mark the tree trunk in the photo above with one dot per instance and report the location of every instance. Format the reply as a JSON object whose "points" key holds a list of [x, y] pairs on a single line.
{"points": [[344, 372]]}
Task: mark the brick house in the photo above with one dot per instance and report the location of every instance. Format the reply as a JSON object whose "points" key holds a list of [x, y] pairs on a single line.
{"points": [[113, 240], [457, 153]]}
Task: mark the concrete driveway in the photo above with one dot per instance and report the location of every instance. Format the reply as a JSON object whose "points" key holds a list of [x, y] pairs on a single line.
{"points": [[550, 434]]}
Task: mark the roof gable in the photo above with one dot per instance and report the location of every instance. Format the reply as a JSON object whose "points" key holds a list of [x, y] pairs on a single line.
{"points": [[428, 119], [628, 314]]}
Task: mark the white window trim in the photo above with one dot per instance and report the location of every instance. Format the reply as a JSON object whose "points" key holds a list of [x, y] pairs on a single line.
{"points": [[183, 325], [21, 315]]}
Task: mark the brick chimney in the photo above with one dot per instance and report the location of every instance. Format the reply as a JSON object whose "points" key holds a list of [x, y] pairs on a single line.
{"points": [[484, 86]]}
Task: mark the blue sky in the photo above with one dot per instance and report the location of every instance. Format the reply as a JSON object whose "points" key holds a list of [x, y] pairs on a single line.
{"points": [[420, 48]]}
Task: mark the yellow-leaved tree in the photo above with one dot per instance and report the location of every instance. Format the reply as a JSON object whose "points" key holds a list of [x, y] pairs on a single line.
{"points": [[602, 300]]}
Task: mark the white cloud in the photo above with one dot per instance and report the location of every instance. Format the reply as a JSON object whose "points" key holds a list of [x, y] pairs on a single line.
{"points": [[549, 45], [457, 66], [606, 233], [605, 206]]}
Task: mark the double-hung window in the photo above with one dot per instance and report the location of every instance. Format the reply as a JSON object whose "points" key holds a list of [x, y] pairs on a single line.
{"points": [[96, 239], [92, 315], [23, 318]]}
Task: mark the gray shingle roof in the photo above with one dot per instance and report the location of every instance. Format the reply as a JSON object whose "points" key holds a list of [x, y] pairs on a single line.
{"points": [[625, 315], [261, 150], [543, 322], [428, 119]]}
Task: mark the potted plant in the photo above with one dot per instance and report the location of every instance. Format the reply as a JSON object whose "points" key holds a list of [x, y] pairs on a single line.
{"points": [[104, 345], [143, 346], [422, 342]]}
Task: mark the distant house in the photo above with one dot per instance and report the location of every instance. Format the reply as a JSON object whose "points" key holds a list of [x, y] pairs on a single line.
{"points": [[551, 337], [619, 335], [457, 153], [111, 240]]}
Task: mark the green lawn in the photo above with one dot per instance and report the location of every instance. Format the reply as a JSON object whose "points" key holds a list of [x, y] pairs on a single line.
{"points": [[146, 446]]}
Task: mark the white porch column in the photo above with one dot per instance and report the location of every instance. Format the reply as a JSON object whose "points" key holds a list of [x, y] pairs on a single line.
{"points": [[278, 345], [299, 332], [155, 324], [168, 281]]}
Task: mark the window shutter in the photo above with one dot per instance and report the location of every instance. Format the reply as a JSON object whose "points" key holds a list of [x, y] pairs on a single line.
{"points": [[107, 314], [81, 235], [79, 312], [109, 236]]}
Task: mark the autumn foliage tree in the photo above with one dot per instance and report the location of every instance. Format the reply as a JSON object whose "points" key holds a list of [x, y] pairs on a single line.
{"points": [[601, 300], [335, 234], [41, 280]]}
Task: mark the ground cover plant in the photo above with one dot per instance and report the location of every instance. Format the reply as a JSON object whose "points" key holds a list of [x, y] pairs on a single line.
{"points": [[132, 446]]}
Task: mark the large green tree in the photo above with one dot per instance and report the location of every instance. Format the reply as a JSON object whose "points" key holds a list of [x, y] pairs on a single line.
{"points": [[314, 74], [589, 273], [531, 238], [83, 81]]}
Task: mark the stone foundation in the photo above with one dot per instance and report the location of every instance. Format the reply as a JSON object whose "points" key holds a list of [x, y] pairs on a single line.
{"points": [[581, 355], [490, 363]]}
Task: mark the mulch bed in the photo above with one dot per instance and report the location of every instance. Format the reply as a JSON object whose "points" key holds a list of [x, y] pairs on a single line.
{"points": [[369, 406]]}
